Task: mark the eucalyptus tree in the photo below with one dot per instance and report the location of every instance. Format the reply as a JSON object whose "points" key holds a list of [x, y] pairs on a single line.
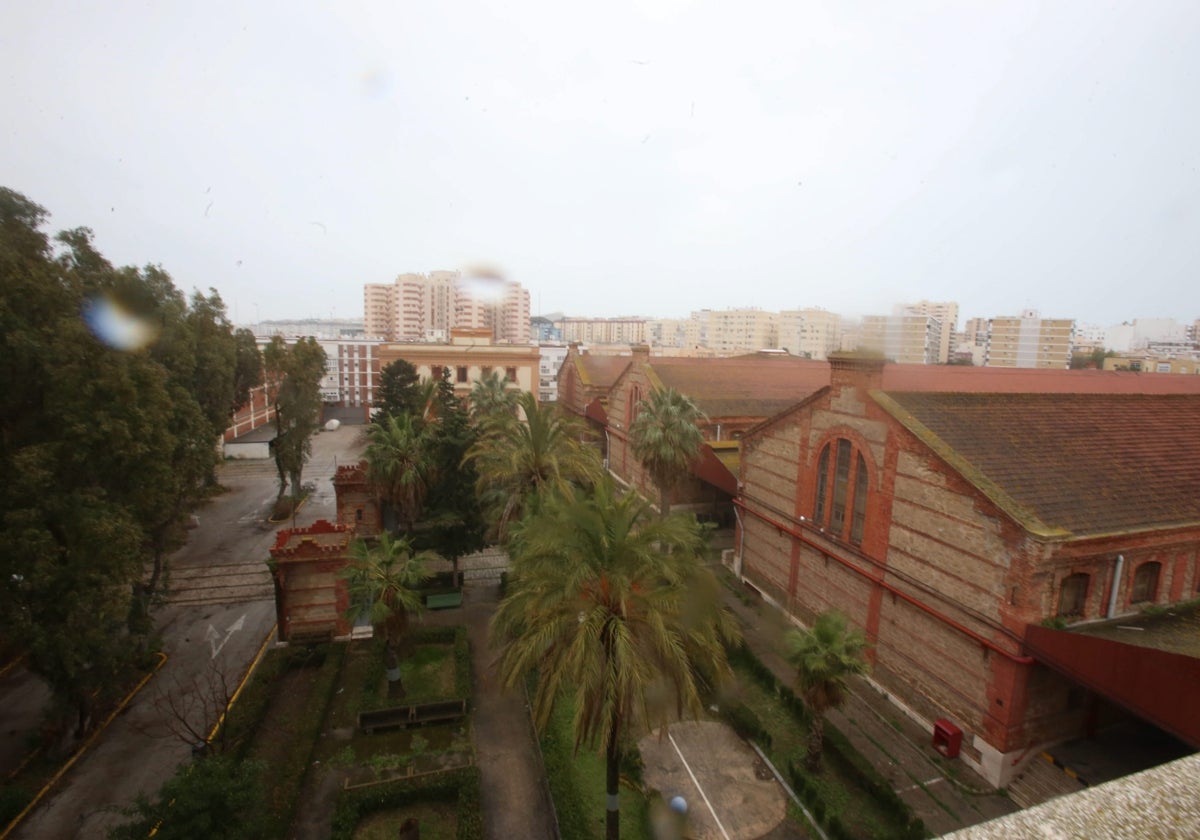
{"points": [[825, 656], [517, 461], [614, 609], [104, 444], [294, 374], [666, 438]]}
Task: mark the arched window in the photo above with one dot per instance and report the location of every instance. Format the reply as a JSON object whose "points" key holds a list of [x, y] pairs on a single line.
{"points": [[842, 487], [1073, 596], [1145, 583]]}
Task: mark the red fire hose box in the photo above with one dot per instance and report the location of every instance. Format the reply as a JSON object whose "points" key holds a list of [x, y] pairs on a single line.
{"points": [[947, 738]]}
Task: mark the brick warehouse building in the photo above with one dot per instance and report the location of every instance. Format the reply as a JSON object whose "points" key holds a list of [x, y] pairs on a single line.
{"points": [[951, 512], [735, 393]]}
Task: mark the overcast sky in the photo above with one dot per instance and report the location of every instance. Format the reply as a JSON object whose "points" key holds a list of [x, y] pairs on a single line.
{"points": [[651, 157]]}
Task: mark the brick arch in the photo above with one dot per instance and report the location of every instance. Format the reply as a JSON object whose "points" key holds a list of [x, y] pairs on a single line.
{"points": [[874, 475], [823, 490]]}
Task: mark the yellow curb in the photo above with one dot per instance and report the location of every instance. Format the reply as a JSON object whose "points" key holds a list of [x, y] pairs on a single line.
{"points": [[12, 664], [295, 510], [245, 679], [162, 660]]}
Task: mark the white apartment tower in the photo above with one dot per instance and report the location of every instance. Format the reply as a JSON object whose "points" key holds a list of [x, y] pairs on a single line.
{"points": [[814, 333]]}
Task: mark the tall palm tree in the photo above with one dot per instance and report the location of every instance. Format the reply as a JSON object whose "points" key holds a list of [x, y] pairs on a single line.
{"points": [[666, 438], [381, 578], [400, 463], [825, 656], [492, 399], [516, 461], [614, 608]]}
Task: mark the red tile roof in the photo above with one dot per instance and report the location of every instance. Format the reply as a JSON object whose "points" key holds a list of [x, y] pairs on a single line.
{"points": [[963, 379], [743, 386], [600, 371], [1078, 464]]}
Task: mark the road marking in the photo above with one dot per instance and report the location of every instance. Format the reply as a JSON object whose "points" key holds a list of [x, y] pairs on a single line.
{"points": [[696, 782], [211, 635], [922, 784]]}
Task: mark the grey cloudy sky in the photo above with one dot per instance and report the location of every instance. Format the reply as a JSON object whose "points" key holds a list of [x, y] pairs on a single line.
{"points": [[650, 157]]}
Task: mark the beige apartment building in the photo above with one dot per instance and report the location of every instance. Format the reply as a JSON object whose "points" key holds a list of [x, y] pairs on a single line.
{"points": [[599, 331], [731, 332], [470, 355], [1029, 341], [810, 333], [903, 339], [944, 311], [426, 307]]}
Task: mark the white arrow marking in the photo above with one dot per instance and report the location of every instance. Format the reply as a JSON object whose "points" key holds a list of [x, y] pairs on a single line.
{"points": [[212, 636]]}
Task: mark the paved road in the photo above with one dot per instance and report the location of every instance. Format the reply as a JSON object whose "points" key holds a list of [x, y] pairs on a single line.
{"points": [[219, 615]]}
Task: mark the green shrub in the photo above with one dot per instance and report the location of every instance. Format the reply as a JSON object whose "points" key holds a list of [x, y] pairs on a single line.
{"points": [[460, 786], [745, 723]]}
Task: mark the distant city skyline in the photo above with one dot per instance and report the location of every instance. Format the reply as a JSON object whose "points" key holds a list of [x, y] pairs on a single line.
{"points": [[648, 157]]}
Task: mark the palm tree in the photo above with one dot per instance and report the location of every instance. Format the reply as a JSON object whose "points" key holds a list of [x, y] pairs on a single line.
{"points": [[614, 608], [400, 463], [491, 398], [382, 579], [825, 656], [517, 461], [666, 438]]}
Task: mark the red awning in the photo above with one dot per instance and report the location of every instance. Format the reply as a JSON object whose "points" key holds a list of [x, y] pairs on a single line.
{"points": [[708, 467]]}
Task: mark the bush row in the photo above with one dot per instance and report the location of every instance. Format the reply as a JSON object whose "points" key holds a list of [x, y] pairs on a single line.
{"points": [[911, 828], [837, 746], [460, 786]]}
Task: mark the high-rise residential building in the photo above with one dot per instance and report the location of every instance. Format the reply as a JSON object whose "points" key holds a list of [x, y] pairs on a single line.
{"points": [[814, 333], [944, 311], [730, 332], [425, 307], [604, 330], [904, 339], [1029, 341]]}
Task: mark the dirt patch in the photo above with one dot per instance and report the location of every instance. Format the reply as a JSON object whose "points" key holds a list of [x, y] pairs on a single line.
{"points": [[704, 760]]}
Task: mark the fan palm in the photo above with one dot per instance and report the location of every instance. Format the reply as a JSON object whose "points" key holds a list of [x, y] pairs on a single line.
{"points": [[825, 656], [613, 607], [516, 461], [382, 579], [400, 463], [666, 438]]}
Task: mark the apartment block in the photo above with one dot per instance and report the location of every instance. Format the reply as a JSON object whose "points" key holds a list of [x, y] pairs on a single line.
{"points": [[604, 330], [426, 307], [1029, 341], [946, 312], [904, 339], [730, 332], [810, 333]]}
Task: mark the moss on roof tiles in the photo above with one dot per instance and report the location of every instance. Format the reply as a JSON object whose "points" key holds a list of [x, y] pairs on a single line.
{"points": [[1068, 465]]}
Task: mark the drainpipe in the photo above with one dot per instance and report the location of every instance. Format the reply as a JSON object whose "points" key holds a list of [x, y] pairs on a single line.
{"points": [[718, 431], [741, 543], [1116, 585]]}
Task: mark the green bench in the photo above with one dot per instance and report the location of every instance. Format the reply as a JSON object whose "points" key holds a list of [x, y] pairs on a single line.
{"points": [[443, 600]]}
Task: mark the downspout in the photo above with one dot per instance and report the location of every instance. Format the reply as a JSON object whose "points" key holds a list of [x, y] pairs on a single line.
{"points": [[1116, 585], [741, 543]]}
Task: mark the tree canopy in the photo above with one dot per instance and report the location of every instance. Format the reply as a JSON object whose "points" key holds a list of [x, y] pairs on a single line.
{"points": [[665, 437], [294, 373], [613, 607], [113, 392]]}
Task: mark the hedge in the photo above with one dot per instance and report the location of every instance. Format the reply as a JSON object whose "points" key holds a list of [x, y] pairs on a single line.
{"points": [[460, 786]]}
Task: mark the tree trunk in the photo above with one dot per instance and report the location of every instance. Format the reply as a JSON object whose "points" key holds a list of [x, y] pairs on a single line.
{"points": [[816, 734], [664, 499], [612, 828]]}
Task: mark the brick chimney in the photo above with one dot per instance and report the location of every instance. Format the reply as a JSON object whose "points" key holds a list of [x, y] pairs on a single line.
{"points": [[856, 370]]}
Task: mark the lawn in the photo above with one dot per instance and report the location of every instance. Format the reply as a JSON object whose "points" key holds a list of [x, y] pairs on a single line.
{"points": [[577, 785]]}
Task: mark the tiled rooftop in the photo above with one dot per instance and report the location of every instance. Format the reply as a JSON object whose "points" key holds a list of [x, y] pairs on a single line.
{"points": [[1075, 464], [601, 370], [744, 386]]}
